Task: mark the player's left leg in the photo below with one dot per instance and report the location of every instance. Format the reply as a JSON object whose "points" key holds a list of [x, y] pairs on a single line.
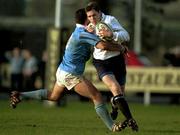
{"points": [[85, 88], [120, 101]]}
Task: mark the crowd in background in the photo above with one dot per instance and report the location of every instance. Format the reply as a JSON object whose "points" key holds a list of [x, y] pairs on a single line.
{"points": [[25, 69], [172, 57], [27, 72]]}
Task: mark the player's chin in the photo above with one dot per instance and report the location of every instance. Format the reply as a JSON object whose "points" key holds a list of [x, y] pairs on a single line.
{"points": [[94, 22]]}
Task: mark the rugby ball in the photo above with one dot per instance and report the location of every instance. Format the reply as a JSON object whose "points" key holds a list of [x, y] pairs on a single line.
{"points": [[103, 26], [91, 26]]}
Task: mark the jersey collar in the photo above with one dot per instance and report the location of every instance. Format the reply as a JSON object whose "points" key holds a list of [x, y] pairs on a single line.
{"points": [[102, 16], [79, 25]]}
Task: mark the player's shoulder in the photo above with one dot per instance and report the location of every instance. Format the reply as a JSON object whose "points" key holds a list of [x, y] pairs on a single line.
{"points": [[108, 17]]}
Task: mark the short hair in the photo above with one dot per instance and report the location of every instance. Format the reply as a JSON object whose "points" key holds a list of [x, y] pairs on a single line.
{"points": [[91, 6], [80, 16]]}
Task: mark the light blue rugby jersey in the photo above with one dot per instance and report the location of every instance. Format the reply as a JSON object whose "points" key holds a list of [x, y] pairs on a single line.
{"points": [[78, 49]]}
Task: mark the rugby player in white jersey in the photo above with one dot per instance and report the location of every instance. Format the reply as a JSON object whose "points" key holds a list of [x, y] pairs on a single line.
{"points": [[110, 65]]}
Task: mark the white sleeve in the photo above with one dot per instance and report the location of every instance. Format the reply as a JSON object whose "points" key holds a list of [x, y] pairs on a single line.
{"points": [[119, 33]]}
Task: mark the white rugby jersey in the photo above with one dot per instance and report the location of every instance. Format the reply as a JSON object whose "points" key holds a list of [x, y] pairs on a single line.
{"points": [[119, 34]]}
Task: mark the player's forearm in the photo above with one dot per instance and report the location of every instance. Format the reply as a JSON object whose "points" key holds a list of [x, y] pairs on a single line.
{"points": [[109, 46], [103, 45], [115, 47]]}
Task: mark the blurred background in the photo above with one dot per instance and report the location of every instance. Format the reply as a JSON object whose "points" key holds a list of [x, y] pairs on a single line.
{"points": [[37, 29]]}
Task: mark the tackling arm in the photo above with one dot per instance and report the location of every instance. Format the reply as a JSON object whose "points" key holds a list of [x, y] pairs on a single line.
{"points": [[111, 46]]}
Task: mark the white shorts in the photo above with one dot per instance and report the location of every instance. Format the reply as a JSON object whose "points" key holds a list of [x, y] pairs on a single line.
{"points": [[67, 79]]}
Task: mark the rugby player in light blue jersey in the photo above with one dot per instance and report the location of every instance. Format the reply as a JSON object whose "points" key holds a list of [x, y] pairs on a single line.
{"points": [[70, 72]]}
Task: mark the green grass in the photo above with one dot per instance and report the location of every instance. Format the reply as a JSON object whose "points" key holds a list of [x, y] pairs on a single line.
{"points": [[77, 118]]}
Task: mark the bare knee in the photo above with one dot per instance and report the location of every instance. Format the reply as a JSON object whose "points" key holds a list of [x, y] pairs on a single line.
{"points": [[115, 88]]}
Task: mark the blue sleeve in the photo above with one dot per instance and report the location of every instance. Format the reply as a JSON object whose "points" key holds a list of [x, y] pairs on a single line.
{"points": [[89, 38]]}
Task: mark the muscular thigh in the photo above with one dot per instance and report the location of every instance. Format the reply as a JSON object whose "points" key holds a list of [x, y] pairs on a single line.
{"points": [[112, 84], [56, 92], [86, 89]]}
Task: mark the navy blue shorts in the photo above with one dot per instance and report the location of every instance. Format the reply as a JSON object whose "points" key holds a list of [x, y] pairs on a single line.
{"points": [[115, 65]]}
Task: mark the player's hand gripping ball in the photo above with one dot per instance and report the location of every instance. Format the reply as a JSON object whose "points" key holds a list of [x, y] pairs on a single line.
{"points": [[101, 26], [91, 28]]}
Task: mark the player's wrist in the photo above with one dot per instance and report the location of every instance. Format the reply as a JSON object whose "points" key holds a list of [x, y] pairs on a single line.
{"points": [[110, 35]]}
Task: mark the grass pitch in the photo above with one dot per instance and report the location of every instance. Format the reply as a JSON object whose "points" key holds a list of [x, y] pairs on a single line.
{"points": [[77, 118]]}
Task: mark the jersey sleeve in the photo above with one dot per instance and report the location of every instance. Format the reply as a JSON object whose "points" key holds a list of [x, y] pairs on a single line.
{"points": [[89, 38], [119, 33]]}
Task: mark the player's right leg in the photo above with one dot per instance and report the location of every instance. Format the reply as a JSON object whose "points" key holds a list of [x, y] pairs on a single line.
{"points": [[16, 97], [41, 94], [111, 82], [114, 111]]}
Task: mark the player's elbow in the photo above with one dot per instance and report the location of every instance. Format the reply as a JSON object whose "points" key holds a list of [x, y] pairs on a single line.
{"points": [[124, 36]]}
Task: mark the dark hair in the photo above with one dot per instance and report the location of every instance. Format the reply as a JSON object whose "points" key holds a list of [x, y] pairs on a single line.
{"points": [[80, 16], [91, 6]]}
